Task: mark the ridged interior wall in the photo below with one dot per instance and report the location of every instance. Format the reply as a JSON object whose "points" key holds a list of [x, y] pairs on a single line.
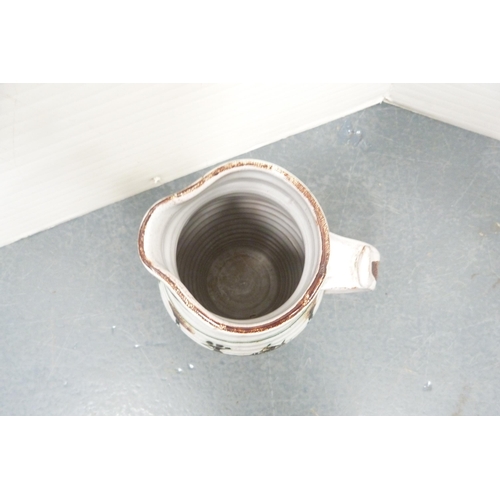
{"points": [[241, 256]]}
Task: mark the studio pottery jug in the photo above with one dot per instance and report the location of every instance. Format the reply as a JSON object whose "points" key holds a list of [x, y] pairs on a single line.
{"points": [[244, 256]]}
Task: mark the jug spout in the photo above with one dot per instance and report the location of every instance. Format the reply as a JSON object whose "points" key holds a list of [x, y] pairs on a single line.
{"points": [[352, 267], [161, 224]]}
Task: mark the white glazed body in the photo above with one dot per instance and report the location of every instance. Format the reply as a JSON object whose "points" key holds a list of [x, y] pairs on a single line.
{"points": [[332, 263], [237, 344]]}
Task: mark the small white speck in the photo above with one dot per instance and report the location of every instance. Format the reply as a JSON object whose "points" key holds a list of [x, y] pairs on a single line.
{"points": [[113, 327], [428, 386], [191, 366], [358, 132], [156, 180], [137, 345], [180, 370], [65, 382], [481, 234]]}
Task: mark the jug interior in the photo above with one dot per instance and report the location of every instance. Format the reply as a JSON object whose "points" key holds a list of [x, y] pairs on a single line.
{"points": [[241, 256]]}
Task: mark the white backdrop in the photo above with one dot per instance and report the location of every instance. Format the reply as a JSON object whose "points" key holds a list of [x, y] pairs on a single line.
{"points": [[68, 149]]}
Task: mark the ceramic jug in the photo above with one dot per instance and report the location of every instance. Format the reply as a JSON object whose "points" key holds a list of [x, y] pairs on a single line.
{"points": [[244, 256]]}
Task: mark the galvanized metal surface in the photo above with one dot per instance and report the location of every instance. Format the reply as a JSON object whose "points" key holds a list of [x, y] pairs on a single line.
{"points": [[83, 329]]}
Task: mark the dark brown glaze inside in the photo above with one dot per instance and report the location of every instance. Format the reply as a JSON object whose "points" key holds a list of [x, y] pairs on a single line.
{"points": [[241, 256]]}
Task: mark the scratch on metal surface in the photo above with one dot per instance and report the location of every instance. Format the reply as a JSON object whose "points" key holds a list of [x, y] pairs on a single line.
{"points": [[303, 355], [475, 325], [433, 278], [385, 205], [468, 187], [46, 343], [151, 364], [55, 362], [422, 345], [273, 405], [410, 278], [476, 196], [492, 271], [492, 171], [128, 335], [353, 165]]}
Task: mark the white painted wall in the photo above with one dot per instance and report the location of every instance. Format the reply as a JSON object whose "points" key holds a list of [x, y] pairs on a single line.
{"points": [[472, 106], [68, 149]]}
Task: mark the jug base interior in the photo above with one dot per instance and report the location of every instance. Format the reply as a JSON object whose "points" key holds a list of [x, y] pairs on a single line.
{"points": [[241, 256], [242, 283]]}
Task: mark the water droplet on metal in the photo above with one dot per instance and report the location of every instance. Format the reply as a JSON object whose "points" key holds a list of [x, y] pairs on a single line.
{"points": [[180, 370], [191, 366], [428, 386], [349, 134], [356, 138]]}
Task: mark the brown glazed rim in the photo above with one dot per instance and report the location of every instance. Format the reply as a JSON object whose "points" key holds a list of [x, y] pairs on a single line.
{"points": [[188, 299]]}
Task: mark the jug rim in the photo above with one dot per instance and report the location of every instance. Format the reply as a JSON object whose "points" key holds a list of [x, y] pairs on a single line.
{"points": [[185, 295]]}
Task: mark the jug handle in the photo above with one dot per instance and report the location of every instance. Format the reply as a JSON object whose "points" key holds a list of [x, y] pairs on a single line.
{"points": [[352, 267]]}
